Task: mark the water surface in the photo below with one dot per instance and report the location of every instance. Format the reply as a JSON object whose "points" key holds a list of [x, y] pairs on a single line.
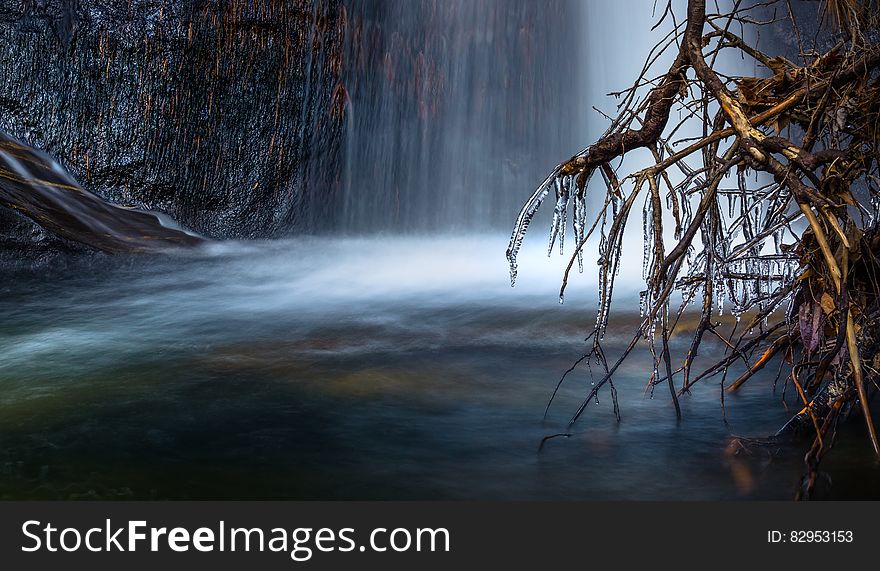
{"points": [[385, 368]]}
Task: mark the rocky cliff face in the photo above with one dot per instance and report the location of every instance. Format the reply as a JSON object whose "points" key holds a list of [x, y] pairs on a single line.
{"points": [[218, 112]]}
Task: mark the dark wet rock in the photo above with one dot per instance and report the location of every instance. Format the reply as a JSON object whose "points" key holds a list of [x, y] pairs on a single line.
{"points": [[216, 112], [21, 240], [35, 185]]}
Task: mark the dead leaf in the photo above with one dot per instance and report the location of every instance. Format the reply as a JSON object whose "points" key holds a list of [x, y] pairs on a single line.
{"points": [[827, 304], [810, 320]]}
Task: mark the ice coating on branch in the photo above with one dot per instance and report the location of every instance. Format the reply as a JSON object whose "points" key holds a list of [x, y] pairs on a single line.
{"points": [[565, 183], [745, 261], [754, 281], [580, 221], [648, 238], [609, 264], [525, 218], [569, 194], [557, 226]]}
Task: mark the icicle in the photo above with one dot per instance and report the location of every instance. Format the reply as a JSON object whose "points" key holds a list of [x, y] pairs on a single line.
{"points": [[557, 215], [528, 211], [777, 240], [524, 219], [648, 234], [756, 271], [578, 224], [566, 191], [580, 208], [736, 301]]}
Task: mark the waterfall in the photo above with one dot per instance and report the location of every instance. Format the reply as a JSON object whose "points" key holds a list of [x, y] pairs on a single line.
{"points": [[456, 108]]}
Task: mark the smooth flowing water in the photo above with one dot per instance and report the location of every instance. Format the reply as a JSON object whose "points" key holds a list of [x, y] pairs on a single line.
{"points": [[454, 109], [359, 368]]}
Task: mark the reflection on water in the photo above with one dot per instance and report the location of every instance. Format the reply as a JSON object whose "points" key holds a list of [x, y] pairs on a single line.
{"points": [[377, 368]]}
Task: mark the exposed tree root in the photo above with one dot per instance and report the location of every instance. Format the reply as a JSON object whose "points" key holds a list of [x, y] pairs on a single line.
{"points": [[795, 254]]}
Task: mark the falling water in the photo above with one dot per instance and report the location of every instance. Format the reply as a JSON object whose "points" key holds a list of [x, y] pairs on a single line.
{"points": [[456, 108]]}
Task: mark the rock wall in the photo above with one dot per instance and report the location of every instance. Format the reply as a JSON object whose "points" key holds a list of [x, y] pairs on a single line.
{"points": [[220, 113]]}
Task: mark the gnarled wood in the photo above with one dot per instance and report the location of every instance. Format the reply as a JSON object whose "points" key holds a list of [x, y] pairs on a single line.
{"points": [[812, 127]]}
